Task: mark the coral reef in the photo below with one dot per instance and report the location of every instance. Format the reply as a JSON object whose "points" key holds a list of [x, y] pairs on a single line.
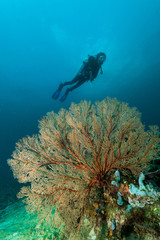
{"points": [[79, 167], [142, 195]]}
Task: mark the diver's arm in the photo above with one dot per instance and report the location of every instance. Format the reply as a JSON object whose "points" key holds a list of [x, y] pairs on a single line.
{"points": [[81, 68], [101, 71], [86, 64], [91, 78]]}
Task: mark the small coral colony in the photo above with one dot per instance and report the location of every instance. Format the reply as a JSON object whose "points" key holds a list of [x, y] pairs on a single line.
{"points": [[85, 173]]}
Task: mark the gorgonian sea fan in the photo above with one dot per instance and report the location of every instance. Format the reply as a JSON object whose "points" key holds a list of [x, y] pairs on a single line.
{"points": [[76, 153]]}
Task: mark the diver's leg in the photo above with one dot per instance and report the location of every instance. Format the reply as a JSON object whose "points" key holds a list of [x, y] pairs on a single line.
{"points": [[58, 91], [79, 83], [75, 79]]}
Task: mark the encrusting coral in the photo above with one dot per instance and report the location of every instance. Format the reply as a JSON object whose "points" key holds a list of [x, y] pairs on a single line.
{"points": [[70, 165]]}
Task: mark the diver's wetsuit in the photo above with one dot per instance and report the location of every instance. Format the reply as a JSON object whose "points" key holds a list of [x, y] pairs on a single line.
{"points": [[84, 75], [88, 71]]}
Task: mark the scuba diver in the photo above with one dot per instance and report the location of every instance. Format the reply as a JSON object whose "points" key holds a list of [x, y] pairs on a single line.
{"points": [[88, 71]]}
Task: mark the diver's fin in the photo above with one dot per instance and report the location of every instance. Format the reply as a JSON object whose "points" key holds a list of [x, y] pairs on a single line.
{"points": [[56, 94], [63, 98]]}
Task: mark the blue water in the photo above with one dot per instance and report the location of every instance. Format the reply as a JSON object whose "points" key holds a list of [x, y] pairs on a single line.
{"points": [[43, 43]]}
